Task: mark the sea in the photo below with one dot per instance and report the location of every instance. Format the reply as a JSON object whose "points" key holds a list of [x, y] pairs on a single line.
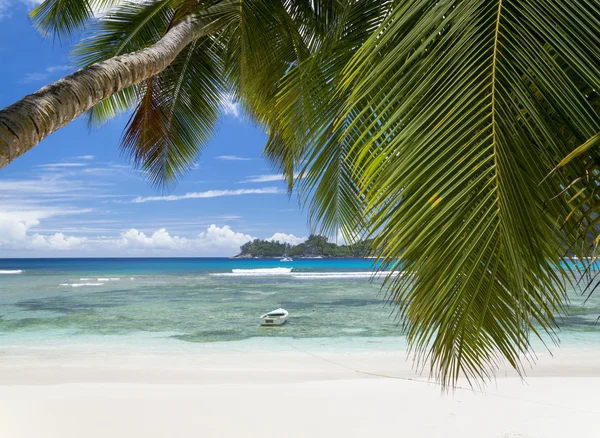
{"points": [[215, 303]]}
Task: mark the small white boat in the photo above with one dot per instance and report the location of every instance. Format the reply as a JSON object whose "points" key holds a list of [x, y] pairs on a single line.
{"points": [[274, 317], [286, 259]]}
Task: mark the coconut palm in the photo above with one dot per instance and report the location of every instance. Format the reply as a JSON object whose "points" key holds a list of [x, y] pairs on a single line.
{"points": [[430, 125]]}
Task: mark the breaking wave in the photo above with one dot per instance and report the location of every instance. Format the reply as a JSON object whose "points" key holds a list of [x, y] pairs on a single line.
{"points": [[255, 272], [81, 284], [287, 272], [339, 275], [9, 272]]}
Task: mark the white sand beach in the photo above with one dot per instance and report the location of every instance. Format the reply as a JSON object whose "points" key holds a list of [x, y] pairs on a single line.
{"points": [[88, 392]]}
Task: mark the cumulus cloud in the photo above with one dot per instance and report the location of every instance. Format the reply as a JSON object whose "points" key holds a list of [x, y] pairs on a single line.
{"points": [[210, 194], [57, 241], [214, 240], [18, 236], [15, 227], [286, 238]]}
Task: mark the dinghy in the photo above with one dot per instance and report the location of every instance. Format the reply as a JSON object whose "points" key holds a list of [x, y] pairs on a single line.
{"points": [[274, 317]]}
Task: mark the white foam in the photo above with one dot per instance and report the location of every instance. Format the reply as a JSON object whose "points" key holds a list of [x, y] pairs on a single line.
{"points": [[255, 272], [254, 292], [354, 330], [10, 272], [81, 284], [303, 275], [339, 275], [84, 279], [108, 279]]}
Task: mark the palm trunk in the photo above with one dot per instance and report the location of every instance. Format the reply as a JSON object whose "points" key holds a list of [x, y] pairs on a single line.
{"points": [[28, 121]]}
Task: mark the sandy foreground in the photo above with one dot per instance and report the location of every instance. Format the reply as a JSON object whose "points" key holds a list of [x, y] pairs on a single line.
{"points": [[86, 392]]}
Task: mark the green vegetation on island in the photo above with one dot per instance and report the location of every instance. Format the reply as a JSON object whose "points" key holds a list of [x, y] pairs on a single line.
{"points": [[314, 246]]}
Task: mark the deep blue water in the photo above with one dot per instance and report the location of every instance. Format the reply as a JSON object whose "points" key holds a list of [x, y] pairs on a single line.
{"points": [[175, 265]]}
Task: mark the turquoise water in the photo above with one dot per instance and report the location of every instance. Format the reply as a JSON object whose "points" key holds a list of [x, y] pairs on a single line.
{"points": [[181, 302]]}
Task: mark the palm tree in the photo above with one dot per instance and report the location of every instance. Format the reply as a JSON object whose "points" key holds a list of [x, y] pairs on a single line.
{"points": [[431, 126]]}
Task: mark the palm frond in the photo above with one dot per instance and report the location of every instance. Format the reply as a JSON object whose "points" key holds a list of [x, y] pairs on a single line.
{"points": [[262, 45], [580, 150], [304, 120], [131, 27], [176, 116], [451, 109], [63, 18]]}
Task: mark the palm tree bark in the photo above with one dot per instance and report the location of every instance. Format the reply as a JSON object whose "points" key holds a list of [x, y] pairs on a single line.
{"points": [[28, 121]]}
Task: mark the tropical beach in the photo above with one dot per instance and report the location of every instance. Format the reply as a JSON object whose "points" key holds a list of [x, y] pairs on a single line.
{"points": [[240, 218], [173, 347]]}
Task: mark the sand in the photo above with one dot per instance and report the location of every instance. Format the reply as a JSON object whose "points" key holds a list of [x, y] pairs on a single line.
{"points": [[90, 392]]}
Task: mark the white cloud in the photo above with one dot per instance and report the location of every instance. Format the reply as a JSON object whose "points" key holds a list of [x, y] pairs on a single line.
{"points": [[55, 68], [286, 238], [214, 240], [267, 178], [210, 194], [16, 238], [4, 8], [57, 241], [86, 157], [48, 71], [51, 188], [21, 235], [32, 3], [230, 107], [16, 225], [60, 165], [232, 158], [161, 239], [264, 178]]}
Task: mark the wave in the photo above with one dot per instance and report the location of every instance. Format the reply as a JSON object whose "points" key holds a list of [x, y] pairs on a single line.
{"points": [[329, 275], [81, 284], [354, 330], [255, 272], [10, 272], [108, 279], [287, 272], [254, 292]]}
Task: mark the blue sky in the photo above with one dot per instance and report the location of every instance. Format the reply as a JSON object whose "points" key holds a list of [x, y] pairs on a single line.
{"points": [[75, 195]]}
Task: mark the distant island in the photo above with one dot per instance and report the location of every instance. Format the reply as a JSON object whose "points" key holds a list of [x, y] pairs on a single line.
{"points": [[314, 246]]}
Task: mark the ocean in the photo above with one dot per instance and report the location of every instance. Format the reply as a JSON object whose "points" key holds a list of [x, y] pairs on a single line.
{"points": [[200, 303]]}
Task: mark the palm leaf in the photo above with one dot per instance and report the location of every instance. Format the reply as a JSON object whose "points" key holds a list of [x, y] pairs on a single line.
{"points": [[305, 117], [131, 27], [63, 18], [451, 110], [176, 116]]}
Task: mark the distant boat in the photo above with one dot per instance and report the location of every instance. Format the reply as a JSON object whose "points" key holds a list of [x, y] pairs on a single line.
{"points": [[286, 259], [274, 317]]}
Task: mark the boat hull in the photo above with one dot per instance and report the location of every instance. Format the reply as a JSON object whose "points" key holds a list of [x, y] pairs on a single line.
{"points": [[272, 322]]}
